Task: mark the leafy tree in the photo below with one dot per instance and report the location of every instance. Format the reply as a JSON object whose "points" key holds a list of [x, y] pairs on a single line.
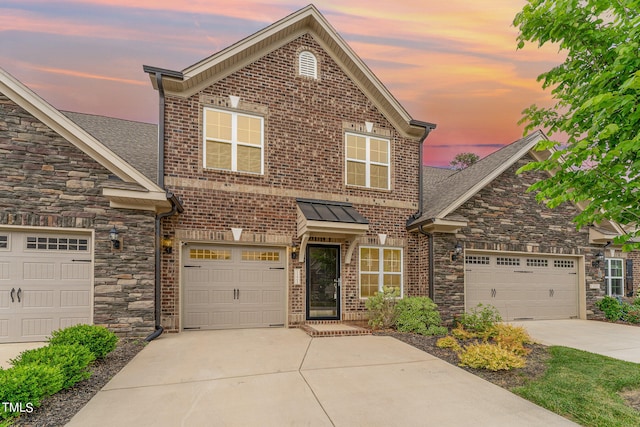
{"points": [[464, 160], [596, 92]]}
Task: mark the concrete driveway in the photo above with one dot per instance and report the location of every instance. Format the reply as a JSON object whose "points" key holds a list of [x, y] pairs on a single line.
{"points": [[283, 377], [609, 339]]}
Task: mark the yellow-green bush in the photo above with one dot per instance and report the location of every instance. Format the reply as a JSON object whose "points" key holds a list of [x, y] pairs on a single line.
{"points": [[512, 338], [449, 342], [462, 334], [490, 356]]}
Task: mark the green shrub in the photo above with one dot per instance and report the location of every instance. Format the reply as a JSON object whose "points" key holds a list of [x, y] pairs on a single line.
{"points": [[98, 339], [449, 342], [491, 357], [72, 360], [381, 308], [612, 308], [632, 314], [419, 315], [480, 319], [28, 385], [512, 338]]}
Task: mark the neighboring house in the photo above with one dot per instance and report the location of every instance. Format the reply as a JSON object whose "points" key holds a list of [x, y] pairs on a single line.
{"points": [[62, 191], [512, 252], [298, 171]]}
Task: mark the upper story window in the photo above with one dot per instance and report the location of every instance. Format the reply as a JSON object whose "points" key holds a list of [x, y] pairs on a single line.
{"points": [[367, 161], [233, 141], [307, 64]]}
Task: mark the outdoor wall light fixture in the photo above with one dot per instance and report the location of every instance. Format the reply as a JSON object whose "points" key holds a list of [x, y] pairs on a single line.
{"points": [[294, 250], [457, 252], [167, 244], [113, 236], [598, 260]]}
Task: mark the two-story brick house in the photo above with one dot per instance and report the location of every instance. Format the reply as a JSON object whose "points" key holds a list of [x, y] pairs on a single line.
{"points": [[298, 171]]}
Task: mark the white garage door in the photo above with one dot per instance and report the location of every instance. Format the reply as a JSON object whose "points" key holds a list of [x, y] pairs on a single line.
{"points": [[45, 283], [233, 287], [523, 287]]}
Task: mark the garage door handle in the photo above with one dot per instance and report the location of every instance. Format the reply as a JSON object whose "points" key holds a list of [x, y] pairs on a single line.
{"points": [[192, 266], [19, 292], [13, 291], [551, 292]]}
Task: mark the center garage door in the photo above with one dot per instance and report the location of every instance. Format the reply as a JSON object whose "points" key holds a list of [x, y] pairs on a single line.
{"points": [[523, 287], [228, 287], [45, 283]]}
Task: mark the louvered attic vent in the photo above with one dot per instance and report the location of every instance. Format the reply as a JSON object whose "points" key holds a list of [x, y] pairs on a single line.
{"points": [[308, 65]]}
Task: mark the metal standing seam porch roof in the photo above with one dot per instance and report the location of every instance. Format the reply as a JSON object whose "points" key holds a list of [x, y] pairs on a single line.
{"points": [[322, 217]]}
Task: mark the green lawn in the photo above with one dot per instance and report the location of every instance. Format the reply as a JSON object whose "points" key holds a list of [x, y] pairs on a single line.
{"points": [[584, 388]]}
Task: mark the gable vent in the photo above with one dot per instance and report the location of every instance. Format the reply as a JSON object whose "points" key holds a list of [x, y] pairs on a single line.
{"points": [[308, 65]]}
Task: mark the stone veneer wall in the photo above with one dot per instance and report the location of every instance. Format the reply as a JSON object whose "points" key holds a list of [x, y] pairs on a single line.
{"points": [[504, 217], [45, 181], [305, 121]]}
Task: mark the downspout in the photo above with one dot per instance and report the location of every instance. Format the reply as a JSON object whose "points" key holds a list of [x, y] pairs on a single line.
{"points": [[428, 127], [174, 208]]}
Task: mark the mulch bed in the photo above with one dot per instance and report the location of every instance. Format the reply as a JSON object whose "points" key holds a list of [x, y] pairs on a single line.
{"points": [[536, 360], [57, 410]]}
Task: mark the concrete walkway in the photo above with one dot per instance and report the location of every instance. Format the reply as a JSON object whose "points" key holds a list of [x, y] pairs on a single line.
{"points": [[283, 377], [609, 339]]}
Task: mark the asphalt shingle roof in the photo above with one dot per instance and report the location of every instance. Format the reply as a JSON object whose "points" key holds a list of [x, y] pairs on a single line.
{"points": [[135, 142], [442, 187]]}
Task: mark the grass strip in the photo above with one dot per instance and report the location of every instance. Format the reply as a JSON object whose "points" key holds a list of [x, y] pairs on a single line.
{"points": [[585, 387]]}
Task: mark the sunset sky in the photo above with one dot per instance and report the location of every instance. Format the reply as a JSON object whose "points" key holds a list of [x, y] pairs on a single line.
{"points": [[453, 63]]}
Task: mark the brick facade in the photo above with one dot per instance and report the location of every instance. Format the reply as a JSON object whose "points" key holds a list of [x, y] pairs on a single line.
{"points": [[305, 121], [45, 181], [504, 217]]}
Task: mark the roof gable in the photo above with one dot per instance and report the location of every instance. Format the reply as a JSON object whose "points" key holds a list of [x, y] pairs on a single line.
{"points": [[444, 194], [154, 197], [307, 20]]}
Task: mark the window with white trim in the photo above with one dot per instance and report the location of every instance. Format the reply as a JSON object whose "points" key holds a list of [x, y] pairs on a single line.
{"points": [[380, 267], [367, 161], [4, 241], [614, 276], [233, 141], [307, 64]]}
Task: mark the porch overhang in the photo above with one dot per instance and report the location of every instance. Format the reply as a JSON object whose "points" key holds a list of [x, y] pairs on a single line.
{"points": [[440, 225], [600, 236], [321, 218]]}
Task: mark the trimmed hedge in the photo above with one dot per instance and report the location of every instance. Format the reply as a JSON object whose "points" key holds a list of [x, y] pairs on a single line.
{"points": [[72, 360], [98, 339], [27, 385]]}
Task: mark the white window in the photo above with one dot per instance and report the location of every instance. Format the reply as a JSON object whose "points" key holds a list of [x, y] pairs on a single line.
{"points": [[367, 161], [308, 64], [233, 141], [380, 267], [614, 277]]}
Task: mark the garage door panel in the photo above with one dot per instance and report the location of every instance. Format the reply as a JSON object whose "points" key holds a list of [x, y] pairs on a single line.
{"points": [[523, 286], [38, 271], [65, 322], [37, 299], [4, 270], [4, 328], [37, 327], [74, 298], [245, 287], [75, 271]]}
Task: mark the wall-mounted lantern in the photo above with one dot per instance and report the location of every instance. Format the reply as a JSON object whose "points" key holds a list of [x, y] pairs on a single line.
{"points": [[457, 252], [167, 244], [294, 250], [113, 236], [598, 260]]}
